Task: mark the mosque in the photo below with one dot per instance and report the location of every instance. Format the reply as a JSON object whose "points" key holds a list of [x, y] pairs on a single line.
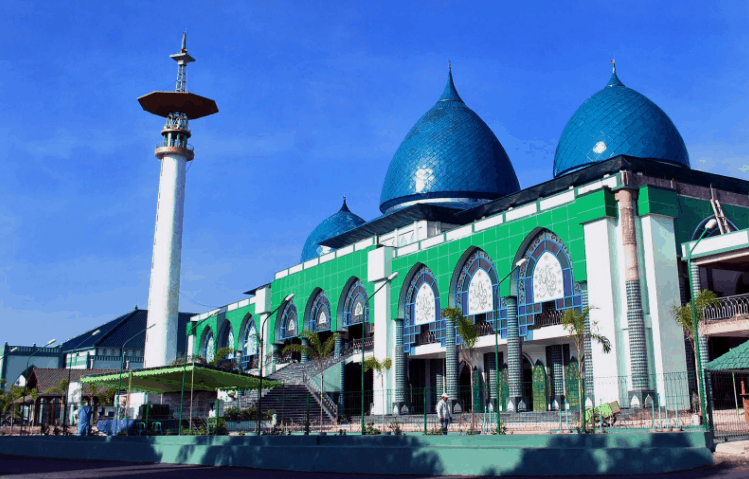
{"points": [[605, 232]]}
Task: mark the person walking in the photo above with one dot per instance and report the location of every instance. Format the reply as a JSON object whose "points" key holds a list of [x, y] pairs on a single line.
{"points": [[443, 413], [84, 416]]}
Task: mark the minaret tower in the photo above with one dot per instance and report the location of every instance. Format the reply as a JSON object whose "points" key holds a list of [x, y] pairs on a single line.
{"points": [[178, 107]]}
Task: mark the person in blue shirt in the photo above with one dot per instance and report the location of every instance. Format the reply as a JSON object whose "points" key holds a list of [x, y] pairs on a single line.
{"points": [[84, 417]]}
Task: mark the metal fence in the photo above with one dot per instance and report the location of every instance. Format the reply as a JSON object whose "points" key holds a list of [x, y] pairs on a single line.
{"points": [[727, 391]]}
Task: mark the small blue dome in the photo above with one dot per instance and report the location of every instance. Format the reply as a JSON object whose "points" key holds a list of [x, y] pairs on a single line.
{"points": [[450, 157], [335, 225], [618, 121]]}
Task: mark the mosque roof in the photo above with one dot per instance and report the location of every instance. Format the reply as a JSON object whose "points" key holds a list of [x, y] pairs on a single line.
{"points": [[334, 225], [618, 121], [449, 154]]}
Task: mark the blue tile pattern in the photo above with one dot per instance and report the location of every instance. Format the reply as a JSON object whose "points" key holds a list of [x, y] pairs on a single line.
{"points": [[618, 121], [451, 154], [335, 225]]}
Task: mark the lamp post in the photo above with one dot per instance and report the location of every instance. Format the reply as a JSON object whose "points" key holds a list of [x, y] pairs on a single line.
{"points": [[262, 340], [496, 337], [364, 318], [67, 386], [119, 379], [703, 399]]}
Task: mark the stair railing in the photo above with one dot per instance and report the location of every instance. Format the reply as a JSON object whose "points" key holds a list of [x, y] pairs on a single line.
{"points": [[321, 397]]}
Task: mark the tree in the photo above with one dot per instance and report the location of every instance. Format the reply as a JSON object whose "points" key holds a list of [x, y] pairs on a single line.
{"points": [[574, 322], [469, 335], [372, 363], [318, 351], [683, 317]]}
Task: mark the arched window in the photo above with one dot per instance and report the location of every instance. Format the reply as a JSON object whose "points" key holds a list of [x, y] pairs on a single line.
{"points": [[208, 346], [715, 231], [249, 339], [545, 287], [289, 322], [227, 339], [476, 293], [422, 322], [355, 307], [319, 318]]}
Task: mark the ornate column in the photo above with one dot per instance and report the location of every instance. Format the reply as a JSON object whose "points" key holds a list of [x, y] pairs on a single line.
{"points": [[338, 352], [451, 359], [702, 340], [587, 346], [557, 376], [514, 357], [635, 319], [399, 401], [305, 342], [491, 379]]}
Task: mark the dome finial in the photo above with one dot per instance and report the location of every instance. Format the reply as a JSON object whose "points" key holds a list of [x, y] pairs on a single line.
{"points": [[450, 93], [345, 206], [614, 80]]}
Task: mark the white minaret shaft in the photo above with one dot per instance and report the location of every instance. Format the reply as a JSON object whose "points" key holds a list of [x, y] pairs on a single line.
{"points": [[178, 107], [163, 294]]}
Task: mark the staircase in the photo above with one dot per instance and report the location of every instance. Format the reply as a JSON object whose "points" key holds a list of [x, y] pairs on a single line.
{"points": [[289, 404]]}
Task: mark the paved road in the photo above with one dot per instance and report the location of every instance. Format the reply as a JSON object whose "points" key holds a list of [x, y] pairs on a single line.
{"points": [[23, 467]]}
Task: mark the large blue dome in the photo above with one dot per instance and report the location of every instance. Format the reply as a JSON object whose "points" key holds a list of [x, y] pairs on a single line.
{"points": [[451, 157], [618, 121], [335, 225]]}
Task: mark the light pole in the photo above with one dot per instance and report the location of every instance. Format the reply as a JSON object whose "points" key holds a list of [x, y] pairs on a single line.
{"points": [[703, 399], [67, 386], [364, 318], [262, 340], [119, 379], [496, 336]]}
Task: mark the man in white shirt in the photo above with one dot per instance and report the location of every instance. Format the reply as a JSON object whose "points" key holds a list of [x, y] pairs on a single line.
{"points": [[443, 413]]}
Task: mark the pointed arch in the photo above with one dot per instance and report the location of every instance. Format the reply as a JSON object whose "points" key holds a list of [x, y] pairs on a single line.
{"points": [[287, 325], [353, 307], [421, 306], [207, 344], [544, 284], [318, 316], [474, 290]]}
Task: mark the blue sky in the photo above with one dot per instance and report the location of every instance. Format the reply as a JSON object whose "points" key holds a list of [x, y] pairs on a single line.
{"points": [[314, 100]]}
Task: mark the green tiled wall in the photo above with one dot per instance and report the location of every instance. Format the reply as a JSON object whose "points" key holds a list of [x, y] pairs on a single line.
{"points": [[692, 211], [331, 277], [235, 318]]}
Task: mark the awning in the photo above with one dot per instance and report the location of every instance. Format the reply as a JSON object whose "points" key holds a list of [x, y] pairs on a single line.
{"points": [[197, 377], [735, 359]]}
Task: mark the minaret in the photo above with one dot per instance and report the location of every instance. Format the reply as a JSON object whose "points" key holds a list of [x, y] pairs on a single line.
{"points": [[178, 107]]}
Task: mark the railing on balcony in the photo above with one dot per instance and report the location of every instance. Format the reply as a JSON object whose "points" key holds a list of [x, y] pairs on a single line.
{"points": [[727, 307], [547, 318], [355, 346], [485, 329]]}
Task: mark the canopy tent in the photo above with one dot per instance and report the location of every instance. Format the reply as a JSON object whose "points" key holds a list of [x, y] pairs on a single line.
{"points": [[735, 359], [166, 379]]}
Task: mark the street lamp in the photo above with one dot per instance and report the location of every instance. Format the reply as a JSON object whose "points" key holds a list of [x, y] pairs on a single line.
{"points": [[262, 340], [496, 336], [712, 223], [184, 370], [119, 380], [364, 317], [67, 386]]}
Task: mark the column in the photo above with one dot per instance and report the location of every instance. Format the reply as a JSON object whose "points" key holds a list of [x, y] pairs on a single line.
{"points": [[638, 355], [490, 368], [557, 376], [338, 352], [702, 340], [588, 349], [399, 401], [514, 357], [451, 368], [305, 342]]}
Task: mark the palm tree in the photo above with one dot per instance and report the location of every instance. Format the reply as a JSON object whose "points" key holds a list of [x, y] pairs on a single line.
{"points": [[318, 351], [683, 316], [574, 322], [372, 363]]}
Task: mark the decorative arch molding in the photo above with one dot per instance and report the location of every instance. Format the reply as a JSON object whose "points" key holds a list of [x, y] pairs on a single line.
{"points": [[207, 348], [475, 290], [355, 309], [715, 231], [545, 286], [226, 336], [422, 322], [248, 341], [318, 315], [288, 323]]}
